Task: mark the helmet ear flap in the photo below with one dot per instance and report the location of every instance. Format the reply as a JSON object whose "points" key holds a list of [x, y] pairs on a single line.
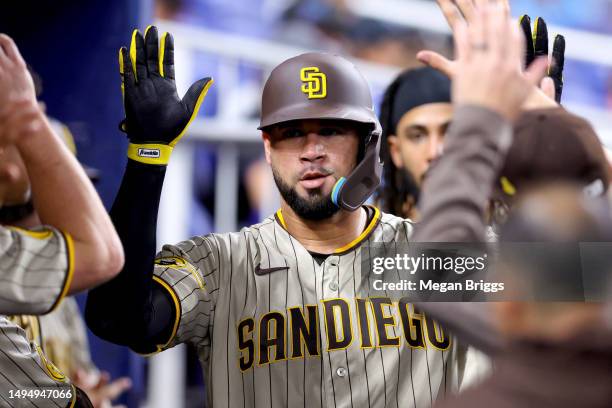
{"points": [[351, 192]]}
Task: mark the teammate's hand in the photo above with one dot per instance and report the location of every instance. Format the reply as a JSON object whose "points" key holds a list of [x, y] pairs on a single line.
{"points": [[536, 45], [490, 54], [100, 389], [15, 81], [465, 18], [155, 117]]}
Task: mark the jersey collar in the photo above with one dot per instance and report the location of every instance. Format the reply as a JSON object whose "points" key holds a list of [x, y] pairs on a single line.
{"points": [[354, 243]]}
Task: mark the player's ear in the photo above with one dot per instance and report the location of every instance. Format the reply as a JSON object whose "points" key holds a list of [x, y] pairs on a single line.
{"points": [[265, 136], [394, 151]]}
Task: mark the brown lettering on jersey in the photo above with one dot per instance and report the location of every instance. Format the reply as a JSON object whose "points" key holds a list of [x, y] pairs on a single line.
{"points": [[412, 325], [436, 336], [364, 322], [269, 342], [275, 339], [337, 311], [379, 307], [304, 331], [246, 343]]}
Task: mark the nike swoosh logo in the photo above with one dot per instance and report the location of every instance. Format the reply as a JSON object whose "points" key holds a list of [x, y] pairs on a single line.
{"points": [[261, 271]]}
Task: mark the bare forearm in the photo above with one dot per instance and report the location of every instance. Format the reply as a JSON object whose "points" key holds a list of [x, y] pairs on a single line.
{"points": [[64, 197]]}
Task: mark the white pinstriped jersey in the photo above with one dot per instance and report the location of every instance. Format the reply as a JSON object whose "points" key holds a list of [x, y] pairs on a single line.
{"points": [[35, 269], [61, 335], [25, 373], [300, 333]]}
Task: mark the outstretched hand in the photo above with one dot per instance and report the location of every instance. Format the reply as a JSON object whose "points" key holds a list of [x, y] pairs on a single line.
{"points": [[490, 52], [464, 15], [155, 116]]}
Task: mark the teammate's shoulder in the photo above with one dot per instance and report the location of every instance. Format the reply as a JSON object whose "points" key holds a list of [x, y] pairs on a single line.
{"points": [[392, 227], [388, 218]]}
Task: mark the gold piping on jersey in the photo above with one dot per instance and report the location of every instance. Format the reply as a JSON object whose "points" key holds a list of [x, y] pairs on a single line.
{"points": [[366, 232], [177, 317], [52, 371], [382, 321], [281, 219], [266, 341], [334, 340], [42, 235], [74, 396], [304, 332], [412, 319], [361, 306], [246, 345], [179, 264], [69, 272], [30, 324], [431, 327]]}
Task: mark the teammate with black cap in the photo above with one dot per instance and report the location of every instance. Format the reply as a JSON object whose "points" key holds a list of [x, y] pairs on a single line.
{"points": [[415, 114]]}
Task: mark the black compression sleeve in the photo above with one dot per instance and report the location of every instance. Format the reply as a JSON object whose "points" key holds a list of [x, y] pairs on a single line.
{"points": [[132, 309]]}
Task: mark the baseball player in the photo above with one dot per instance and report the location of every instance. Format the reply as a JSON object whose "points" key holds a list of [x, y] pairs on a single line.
{"points": [[558, 353], [38, 267], [61, 334], [281, 312], [78, 247], [415, 114]]}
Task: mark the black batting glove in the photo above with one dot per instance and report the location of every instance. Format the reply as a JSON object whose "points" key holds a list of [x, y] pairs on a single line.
{"points": [[155, 117], [537, 46]]}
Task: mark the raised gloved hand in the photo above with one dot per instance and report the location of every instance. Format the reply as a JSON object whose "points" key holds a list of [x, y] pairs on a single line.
{"points": [[155, 117], [537, 46]]}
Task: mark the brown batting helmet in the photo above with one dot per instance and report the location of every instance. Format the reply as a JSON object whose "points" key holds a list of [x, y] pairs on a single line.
{"points": [[554, 145], [325, 86]]}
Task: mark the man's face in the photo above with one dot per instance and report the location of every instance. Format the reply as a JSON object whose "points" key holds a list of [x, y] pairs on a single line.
{"points": [[419, 138], [307, 158], [14, 182]]}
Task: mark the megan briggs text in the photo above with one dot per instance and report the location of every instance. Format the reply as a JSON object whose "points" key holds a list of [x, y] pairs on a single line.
{"points": [[421, 285]]}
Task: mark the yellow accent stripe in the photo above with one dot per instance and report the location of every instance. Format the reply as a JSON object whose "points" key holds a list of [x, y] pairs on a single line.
{"points": [[507, 186], [147, 30], [74, 397], [52, 371], [45, 234], [534, 34], [133, 52], [121, 71], [353, 243], [69, 273], [177, 319], [158, 153], [182, 264], [195, 112], [162, 51], [279, 214], [363, 235]]}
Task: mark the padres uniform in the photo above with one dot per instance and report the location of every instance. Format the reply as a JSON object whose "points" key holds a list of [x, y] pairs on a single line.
{"points": [[61, 335], [35, 269], [273, 327], [25, 370]]}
